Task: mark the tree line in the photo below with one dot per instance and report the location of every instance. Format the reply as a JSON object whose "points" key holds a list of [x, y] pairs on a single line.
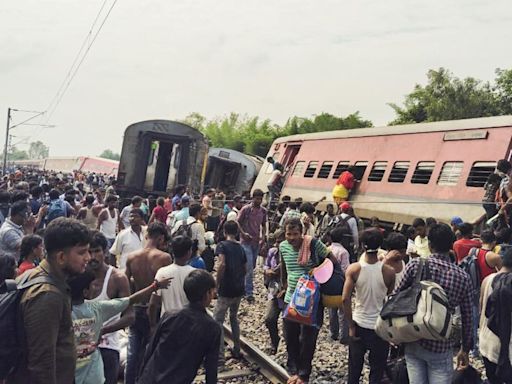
{"points": [[444, 97]]}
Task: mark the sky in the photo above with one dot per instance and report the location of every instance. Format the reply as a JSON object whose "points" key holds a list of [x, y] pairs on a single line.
{"points": [[161, 59]]}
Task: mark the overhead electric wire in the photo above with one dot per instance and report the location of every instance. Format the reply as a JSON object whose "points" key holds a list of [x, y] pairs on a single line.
{"points": [[75, 67], [77, 56]]}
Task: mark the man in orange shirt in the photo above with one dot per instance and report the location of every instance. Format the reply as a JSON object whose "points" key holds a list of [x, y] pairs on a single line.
{"points": [[462, 246]]}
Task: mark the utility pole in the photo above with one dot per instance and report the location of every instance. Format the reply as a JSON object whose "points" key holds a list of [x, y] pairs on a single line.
{"points": [[24, 122], [6, 140]]}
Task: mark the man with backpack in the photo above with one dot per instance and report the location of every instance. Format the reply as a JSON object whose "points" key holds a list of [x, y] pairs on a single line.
{"points": [[348, 224], [431, 361], [57, 207], [48, 347], [192, 228], [478, 264], [372, 281]]}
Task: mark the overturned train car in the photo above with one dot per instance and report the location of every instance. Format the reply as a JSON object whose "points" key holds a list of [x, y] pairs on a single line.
{"points": [[231, 171], [157, 155]]}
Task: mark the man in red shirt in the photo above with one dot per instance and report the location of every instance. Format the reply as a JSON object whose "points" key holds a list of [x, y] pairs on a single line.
{"points": [[462, 246]]}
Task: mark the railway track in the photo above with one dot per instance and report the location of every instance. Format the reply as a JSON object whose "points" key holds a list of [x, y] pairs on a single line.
{"points": [[259, 362]]}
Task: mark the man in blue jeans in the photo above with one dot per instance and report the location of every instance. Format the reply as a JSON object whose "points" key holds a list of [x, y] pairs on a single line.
{"points": [[429, 361], [252, 220]]}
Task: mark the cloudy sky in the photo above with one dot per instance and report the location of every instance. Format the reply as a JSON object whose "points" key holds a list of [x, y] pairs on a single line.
{"points": [[274, 59]]}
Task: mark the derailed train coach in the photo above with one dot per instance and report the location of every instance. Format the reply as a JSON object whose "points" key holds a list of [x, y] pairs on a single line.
{"points": [[405, 171], [231, 171], [157, 155]]}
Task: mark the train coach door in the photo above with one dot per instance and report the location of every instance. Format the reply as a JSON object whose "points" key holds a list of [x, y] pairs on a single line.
{"points": [[290, 154]]}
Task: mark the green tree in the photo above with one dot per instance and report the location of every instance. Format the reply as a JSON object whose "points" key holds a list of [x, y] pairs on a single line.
{"points": [[446, 97], [255, 136], [109, 154], [16, 154], [37, 150], [503, 89]]}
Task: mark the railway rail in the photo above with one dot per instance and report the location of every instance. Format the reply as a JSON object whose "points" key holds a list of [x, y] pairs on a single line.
{"points": [[264, 364]]}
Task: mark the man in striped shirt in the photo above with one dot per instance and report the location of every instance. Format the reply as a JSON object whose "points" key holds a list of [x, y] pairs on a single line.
{"points": [[300, 339], [430, 361]]}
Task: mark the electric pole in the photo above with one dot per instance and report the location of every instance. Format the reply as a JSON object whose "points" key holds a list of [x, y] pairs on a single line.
{"points": [[4, 169]]}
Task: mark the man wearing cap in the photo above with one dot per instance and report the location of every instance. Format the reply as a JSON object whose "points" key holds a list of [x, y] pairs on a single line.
{"points": [[455, 223]]}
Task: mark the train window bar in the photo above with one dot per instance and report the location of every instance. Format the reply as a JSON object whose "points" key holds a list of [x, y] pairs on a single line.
{"points": [[377, 172], [340, 168], [360, 169], [479, 173], [311, 169], [399, 172], [423, 172], [450, 173], [299, 167], [325, 169]]}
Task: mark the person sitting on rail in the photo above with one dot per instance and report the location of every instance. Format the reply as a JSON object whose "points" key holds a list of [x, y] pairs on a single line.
{"points": [[186, 339], [344, 185]]}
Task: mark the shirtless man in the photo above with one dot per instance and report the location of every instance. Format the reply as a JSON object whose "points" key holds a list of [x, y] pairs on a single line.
{"points": [[109, 220], [110, 283], [141, 268], [88, 214]]}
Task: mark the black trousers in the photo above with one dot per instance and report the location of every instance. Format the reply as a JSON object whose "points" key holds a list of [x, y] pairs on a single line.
{"points": [[490, 371], [110, 365], [367, 340], [301, 345], [271, 320]]}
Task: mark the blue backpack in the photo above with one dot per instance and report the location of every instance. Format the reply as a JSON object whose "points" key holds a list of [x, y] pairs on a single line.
{"points": [[56, 209]]}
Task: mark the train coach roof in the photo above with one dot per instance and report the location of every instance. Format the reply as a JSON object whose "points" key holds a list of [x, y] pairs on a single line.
{"points": [[167, 127], [438, 126]]}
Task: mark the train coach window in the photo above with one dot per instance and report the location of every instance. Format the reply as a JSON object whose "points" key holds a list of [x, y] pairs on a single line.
{"points": [[479, 173], [450, 174], [311, 169], [398, 172], [325, 169], [340, 168], [377, 172], [299, 167], [423, 172], [360, 169]]}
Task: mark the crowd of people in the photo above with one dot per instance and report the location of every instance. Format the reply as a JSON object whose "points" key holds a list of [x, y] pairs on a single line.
{"points": [[150, 270]]}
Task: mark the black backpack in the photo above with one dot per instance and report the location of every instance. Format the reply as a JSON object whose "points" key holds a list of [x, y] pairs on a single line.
{"points": [[340, 222], [184, 229], [12, 341]]}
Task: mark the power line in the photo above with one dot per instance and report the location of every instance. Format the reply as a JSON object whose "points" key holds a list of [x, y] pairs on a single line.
{"points": [[77, 56], [74, 71]]}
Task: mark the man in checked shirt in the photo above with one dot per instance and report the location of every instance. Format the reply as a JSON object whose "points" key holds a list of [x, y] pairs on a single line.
{"points": [[428, 361]]}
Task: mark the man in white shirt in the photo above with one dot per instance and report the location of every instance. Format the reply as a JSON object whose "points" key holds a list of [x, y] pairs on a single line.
{"points": [[125, 213], [130, 239], [172, 298]]}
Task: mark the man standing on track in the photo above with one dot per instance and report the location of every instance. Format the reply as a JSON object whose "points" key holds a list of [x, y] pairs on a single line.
{"points": [[372, 281], [110, 283], [141, 268], [252, 221]]}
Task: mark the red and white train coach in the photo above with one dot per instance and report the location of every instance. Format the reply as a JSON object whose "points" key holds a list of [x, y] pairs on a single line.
{"points": [[419, 170]]}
